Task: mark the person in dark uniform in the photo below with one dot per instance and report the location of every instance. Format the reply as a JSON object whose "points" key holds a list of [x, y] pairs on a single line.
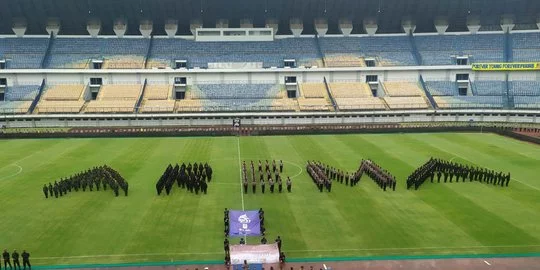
{"points": [[242, 241], [507, 179], [46, 191], [245, 183], [26, 259], [262, 186], [289, 184], [253, 187], [50, 190], [226, 245], [204, 187], [7, 261], [280, 166], [15, 257], [278, 241], [264, 241], [126, 187], [280, 185]]}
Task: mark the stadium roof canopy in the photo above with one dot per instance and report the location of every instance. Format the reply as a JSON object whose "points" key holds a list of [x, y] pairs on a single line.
{"points": [[74, 14]]}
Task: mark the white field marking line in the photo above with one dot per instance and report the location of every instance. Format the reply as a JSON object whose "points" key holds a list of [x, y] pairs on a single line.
{"points": [[533, 187], [240, 168], [15, 174], [412, 248], [241, 189], [297, 166], [321, 250], [487, 262]]}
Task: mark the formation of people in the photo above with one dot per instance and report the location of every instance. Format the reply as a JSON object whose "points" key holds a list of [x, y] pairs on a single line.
{"points": [[271, 176], [194, 178], [316, 171], [381, 176], [98, 177], [14, 256], [446, 170], [340, 176]]}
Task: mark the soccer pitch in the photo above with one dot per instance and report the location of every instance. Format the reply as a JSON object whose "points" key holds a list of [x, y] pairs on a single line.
{"points": [[96, 227]]}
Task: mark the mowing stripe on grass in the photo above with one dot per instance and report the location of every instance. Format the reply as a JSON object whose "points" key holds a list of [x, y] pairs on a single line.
{"points": [[288, 251], [318, 259]]}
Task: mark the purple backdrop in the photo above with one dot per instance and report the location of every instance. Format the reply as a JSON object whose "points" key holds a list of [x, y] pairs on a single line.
{"points": [[244, 223]]}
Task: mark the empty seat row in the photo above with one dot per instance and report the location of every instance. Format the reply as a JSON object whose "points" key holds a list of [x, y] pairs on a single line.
{"points": [[350, 90], [403, 89], [397, 103], [440, 50], [524, 88], [357, 104], [494, 102]]}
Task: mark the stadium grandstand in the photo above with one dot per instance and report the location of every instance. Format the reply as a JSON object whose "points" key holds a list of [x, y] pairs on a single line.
{"points": [[451, 70]]}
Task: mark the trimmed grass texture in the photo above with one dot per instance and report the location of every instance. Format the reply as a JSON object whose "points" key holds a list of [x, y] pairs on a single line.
{"points": [[96, 227]]}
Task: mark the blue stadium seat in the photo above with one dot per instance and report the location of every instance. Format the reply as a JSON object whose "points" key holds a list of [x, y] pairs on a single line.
{"points": [[441, 50], [442, 88], [490, 88], [527, 102], [21, 93], [236, 97], [199, 54], [23, 53], [390, 50], [77, 52], [524, 88], [526, 47]]}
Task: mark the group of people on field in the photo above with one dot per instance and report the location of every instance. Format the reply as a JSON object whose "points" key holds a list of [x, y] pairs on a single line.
{"points": [[271, 176], [381, 176], [15, 258], [194, 178], [446, 170], [96, 177]]}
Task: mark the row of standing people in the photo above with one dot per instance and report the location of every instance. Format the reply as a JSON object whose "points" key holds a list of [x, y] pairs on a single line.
{"points": [[446, 170], [194, 178], [15, 257], [339, 176], [381, 176], [274, 180], [99, 177], [316, 171]]}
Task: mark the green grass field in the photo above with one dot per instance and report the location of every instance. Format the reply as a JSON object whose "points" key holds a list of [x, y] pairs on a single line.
{"points": [[96, 227]]}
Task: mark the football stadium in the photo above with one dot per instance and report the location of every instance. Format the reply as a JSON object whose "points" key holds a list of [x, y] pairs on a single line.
{"points": [[270, 134]]}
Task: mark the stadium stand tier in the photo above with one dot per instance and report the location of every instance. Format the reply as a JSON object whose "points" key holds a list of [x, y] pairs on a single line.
{"points": [[120, 98], [18, 99], [313, 97], [62, 99], [157, 99], [23, 53], [526, 94], [526, 47], [165, 51], [236, 97], [352, 51], [443, 50], [116, 53]]}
